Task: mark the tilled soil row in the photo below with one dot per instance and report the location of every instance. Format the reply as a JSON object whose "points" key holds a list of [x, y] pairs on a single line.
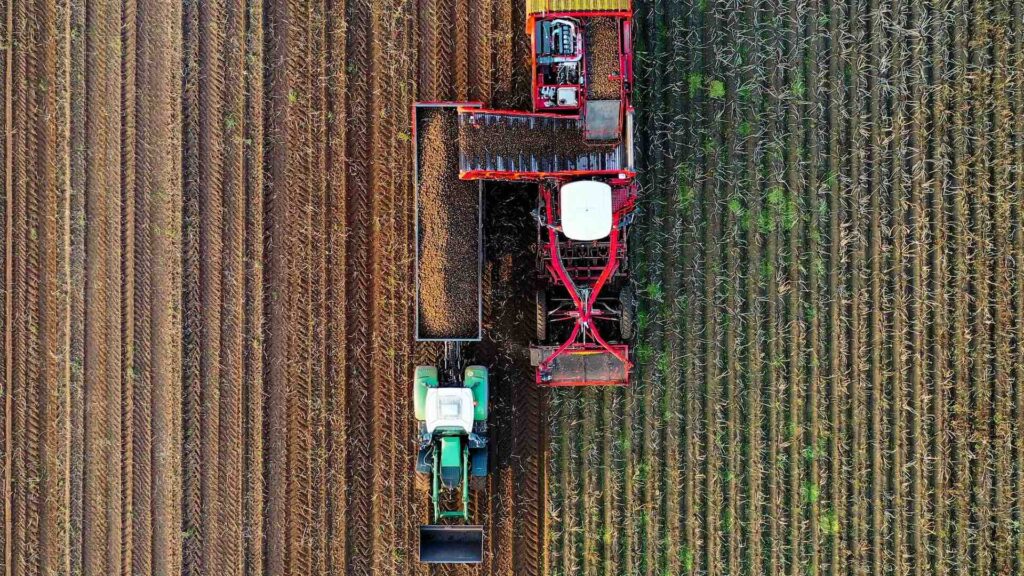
{"points": [[449, 247]]}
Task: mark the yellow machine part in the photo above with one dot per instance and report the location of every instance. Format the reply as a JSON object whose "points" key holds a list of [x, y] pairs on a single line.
{"points": [[542, 6]]}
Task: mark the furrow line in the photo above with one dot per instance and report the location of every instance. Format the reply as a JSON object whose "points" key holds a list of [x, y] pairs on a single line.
{"points": [[876, 337], [959, 299], [127, 169], [1018, 217], [775, 200], [798, 489], [735, 130], [857, 380], [1001, 306], [894, 531], [980, 445], [231, 428], [710, 329], [337, 328], [102, 516], [815, 127], [254, 370], [157, 432], [920, 239], [834, 517], [6, 317], [751, 354], [360, 299], [191, 298], [938, 172]]}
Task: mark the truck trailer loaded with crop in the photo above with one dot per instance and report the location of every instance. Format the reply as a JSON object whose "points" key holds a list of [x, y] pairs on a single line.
{"points": [[577, 146]]}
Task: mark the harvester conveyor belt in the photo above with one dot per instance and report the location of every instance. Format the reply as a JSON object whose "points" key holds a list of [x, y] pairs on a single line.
{"points": [[501, 145]]}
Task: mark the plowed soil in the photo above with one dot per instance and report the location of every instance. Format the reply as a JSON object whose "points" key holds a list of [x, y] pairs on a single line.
{"points": [[207, 290], [830, 283]]}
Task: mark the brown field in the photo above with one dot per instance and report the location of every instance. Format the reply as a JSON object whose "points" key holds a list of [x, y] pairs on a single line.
{"points": [[207, 285], [207, 293]]}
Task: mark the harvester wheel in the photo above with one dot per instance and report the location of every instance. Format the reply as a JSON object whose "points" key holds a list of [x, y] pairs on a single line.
{"points": [[626, 313], [542, 316]]}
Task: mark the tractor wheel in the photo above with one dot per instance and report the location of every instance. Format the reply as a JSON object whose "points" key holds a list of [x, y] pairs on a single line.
{"points": [[542, 316], [479, 469], [626, 313], [423, 469]]}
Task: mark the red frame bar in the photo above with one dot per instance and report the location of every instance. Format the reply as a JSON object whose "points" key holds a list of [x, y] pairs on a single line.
{"points": [[538, 176], [584, 310]]}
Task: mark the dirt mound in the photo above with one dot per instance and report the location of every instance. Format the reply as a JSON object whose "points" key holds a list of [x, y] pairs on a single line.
{"points": [[449, 244]]}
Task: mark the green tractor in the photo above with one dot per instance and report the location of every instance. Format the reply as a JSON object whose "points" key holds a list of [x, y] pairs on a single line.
{"points": [[452, 418]]}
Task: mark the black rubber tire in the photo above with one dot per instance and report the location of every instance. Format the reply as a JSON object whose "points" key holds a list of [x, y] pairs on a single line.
{"points": [[542, 316], [626, 313]]}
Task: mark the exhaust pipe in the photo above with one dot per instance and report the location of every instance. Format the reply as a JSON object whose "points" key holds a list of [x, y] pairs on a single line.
{"points": [[441, 544]]}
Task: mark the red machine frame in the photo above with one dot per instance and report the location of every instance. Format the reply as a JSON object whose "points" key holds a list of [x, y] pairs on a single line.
{"points": [[585, 352], [585, 339]]}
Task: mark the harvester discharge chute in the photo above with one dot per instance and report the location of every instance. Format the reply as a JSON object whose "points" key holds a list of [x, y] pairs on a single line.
{"points": [[452, 417]]}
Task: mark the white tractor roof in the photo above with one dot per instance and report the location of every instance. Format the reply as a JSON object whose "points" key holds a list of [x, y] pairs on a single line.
{"points": [[449, 408], [586, 210]]}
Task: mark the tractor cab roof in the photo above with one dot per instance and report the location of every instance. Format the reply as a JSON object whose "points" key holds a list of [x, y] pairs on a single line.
{"points": [[586, 210], [449, 408]]}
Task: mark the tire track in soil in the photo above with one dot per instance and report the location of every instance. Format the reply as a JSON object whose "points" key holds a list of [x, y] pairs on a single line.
{"points": [[391, 159], [77, 176], [191, 296], [211, 217], [231, 432], [128, 81], [37, 249], [103, 507], [336, 330], [6, 232], [156, 436], [520, 414], [360, 372], [314, 316], [429, 23], [480, 46]]}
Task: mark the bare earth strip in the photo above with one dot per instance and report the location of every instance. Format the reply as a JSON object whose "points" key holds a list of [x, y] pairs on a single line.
{"points": [[157, 418]]}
